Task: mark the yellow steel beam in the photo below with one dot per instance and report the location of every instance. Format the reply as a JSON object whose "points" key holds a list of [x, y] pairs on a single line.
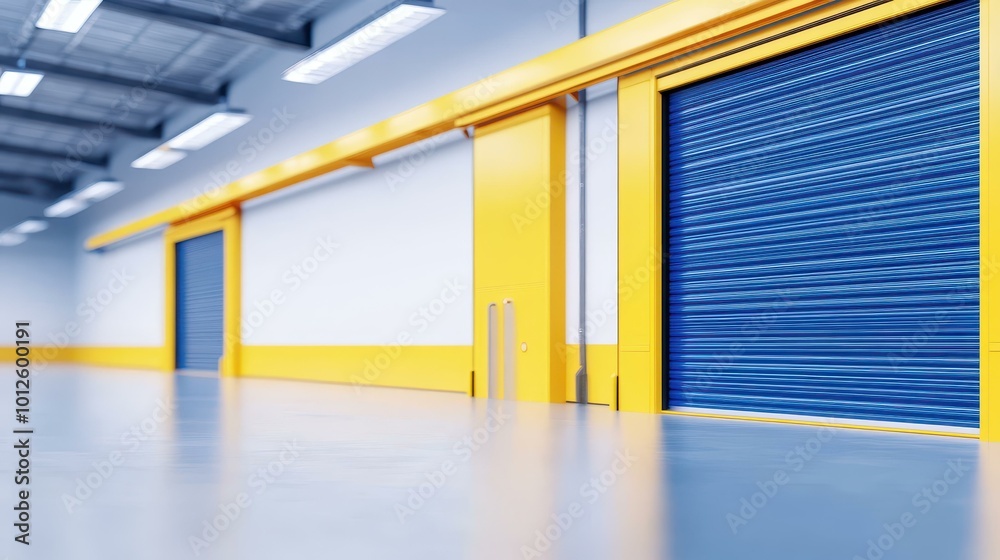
{"points": [[657, 35]]}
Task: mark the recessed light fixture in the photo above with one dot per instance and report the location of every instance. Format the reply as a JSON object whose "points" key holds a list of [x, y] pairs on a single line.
{"points": [[67, 15], [395, 21], [20, 84], [11, 239], [159, 158], [19, 233], [32, 225], [99, 191], [78, 201], [65, 208], [209, 130]]}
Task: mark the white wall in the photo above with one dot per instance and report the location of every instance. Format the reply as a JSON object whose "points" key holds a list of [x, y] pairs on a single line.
{"points": [[601, 219], [361, 259], [605, 13], [36, 277], [133, 314], [399, 242]]}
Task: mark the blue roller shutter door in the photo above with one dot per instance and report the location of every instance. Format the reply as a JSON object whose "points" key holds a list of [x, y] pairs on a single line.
{"points": [[824, 229], [200, 291]]}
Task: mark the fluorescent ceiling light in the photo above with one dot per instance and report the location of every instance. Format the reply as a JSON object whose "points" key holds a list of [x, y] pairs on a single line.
{"points": [[65, 208], [80, 200], [99, 191], [67, 15], [159, 158], [10, 239], [30, 226], [17, 83], [395, 22], [209, 130]]}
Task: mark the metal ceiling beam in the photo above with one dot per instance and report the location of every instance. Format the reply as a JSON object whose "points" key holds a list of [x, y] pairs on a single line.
{"points": [[7, 176], [15, 191], [73, 122], [38, 187], [48, 154], [88, 77], [298, 39]]}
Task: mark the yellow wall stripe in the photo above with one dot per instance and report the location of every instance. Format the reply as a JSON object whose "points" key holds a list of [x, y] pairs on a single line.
{"points": [[120, 357], [133, 357], [441, 368], [37, 354]]}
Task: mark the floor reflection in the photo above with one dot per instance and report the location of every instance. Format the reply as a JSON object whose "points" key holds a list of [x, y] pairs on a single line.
{"points": [[248, 469], [988, 497], [197, 422]]}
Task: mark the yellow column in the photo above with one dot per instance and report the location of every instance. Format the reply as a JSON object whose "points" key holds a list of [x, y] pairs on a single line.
{"points": [[519, 215], [640, 251], [233, 247], [989, 224], [168, 361]]}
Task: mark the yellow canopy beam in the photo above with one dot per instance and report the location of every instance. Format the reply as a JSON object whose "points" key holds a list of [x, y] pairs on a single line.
{"points": [[653, 37]]}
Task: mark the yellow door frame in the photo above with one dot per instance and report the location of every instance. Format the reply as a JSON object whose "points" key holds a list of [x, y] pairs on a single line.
{"points": [[989, 222], [228, 221], [640, 217]]}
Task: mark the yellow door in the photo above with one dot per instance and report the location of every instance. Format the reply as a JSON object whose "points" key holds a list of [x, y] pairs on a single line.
{"points": [[520, 256]]}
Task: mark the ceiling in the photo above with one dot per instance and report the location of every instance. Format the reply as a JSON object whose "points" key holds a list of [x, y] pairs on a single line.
{"points": [[133, 65]]}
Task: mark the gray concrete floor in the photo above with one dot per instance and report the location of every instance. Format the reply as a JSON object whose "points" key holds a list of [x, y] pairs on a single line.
{"points": [[135, 466]]}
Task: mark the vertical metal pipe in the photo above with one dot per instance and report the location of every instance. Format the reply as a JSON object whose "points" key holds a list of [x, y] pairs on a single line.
{"points": [[492, 383], [581, 374]]}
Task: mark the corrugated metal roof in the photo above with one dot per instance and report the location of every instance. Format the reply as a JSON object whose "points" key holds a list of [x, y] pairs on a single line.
{"points": [[126, 46]]}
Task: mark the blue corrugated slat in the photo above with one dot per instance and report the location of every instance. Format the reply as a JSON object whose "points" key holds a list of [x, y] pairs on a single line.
{"points": [[824, 229], [200, 288]]}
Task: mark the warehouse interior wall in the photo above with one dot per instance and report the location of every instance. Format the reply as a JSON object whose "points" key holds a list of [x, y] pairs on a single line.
{"points": [[38, 278], [394, 271], [346, 318], [362, 256], [392, 239], [140, 264], [374, 276], [602, 14]]}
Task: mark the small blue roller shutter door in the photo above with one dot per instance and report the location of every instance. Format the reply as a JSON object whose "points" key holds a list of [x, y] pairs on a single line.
{"points": [[200, 291], [823, 229]]}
